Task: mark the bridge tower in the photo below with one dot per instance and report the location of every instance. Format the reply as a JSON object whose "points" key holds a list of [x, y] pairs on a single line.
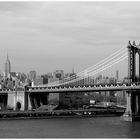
{"points": [[133, 97]]}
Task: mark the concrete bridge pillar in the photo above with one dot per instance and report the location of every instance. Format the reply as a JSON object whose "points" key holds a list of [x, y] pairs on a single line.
{"points": [[26, 99], [19, 99], [128, 104], [132, 112], [138, 104], [38, 99], [127, 116], [133, 99], [133, 103], [35, 102]]}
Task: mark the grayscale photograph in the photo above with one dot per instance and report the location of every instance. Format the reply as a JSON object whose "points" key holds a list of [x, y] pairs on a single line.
{"points": [[69, 69]]}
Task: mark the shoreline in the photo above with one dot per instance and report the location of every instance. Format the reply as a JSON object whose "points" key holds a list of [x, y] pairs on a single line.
{"points": [[55, 116]]}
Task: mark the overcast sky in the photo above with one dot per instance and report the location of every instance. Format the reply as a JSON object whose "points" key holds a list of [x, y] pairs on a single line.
{"points": [[45, 36]]}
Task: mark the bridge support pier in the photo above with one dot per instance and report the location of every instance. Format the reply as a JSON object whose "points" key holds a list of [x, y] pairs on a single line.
{"points": [[133, 97], [38, 99], [132, 112], [26, 100], [139, 104], [127, 116]]}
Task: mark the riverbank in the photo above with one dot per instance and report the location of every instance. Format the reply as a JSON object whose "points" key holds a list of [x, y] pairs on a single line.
{"points": [[59, 114], [60, 117]]}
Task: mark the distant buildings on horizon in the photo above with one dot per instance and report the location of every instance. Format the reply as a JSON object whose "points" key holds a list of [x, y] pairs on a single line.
{"points": [[32, 79], [13, 80], [9, 79]]}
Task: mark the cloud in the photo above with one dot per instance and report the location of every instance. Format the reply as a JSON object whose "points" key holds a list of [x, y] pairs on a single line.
{"points": [[66, 31]]}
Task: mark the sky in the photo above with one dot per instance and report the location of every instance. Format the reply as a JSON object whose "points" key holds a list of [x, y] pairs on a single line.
{"points": [[45, 36]]}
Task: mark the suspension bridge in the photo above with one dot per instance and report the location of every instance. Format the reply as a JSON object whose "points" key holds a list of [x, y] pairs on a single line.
{"points": [[88, 80], [84, 81]]}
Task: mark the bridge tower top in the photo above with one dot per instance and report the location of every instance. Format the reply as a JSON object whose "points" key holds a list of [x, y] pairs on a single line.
{"points": [[132, 50], [129, 44]]}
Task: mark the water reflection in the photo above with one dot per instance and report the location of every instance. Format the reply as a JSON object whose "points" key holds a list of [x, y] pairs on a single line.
{"points": [[96, 127]]}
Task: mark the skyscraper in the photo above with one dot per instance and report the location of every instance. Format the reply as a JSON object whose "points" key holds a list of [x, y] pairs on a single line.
{"points": [[32, 75], [7, 67], [59, 74], [117, 75]]}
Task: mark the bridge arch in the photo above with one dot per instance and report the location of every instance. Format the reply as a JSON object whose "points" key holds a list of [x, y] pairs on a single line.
{"points": [[18, 106]]}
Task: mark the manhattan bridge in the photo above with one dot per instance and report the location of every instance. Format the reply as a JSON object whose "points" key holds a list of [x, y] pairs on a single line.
{"points": [[81, 82]]}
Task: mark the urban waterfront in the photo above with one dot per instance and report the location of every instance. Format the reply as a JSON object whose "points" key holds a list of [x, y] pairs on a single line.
{"points": [[69, 70], [95, 127]]}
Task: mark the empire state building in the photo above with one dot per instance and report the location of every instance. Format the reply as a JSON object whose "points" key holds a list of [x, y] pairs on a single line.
{"points": [[7, 67]]}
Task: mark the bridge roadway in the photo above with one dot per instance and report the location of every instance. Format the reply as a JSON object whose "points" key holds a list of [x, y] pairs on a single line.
{"points": [[94, 88]]}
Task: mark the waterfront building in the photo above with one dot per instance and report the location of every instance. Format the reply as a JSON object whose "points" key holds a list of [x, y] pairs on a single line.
{"points": [[7, 67]]}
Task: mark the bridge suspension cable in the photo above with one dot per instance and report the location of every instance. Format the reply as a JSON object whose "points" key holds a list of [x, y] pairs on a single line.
{"points": [[97, 71], [106, 60], [112, 56], [94, 71], [110, 63], [101, 63]]}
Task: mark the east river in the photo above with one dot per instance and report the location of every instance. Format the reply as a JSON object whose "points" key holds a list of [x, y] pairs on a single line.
{"points": [[95, 127]]}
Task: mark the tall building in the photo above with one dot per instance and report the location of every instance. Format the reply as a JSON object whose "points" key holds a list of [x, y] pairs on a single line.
{"points": [[117, 75], [59, 74], [41, 80], [7, 67], [32, 75]]}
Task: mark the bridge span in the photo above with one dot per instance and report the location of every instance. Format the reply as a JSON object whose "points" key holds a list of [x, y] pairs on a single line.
{"points": [[83, 82], [95, 88]]}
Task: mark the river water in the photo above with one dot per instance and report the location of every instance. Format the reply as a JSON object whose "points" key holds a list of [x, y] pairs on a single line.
{"points": [[95, 127]]}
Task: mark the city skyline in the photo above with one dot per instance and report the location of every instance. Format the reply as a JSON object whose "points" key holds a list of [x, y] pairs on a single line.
{"points": [[45, 36]]}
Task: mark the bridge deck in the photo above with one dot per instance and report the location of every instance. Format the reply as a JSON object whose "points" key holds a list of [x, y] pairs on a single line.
{"points": [[75, 89], [84, 88]]}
